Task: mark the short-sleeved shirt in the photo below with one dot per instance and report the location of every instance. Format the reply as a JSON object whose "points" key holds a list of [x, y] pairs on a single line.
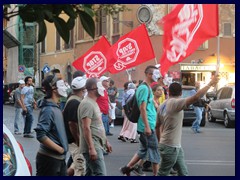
{"points": [[103, 103], [28, 91], [142, 96], [89, 108], [112, 98], [70, 114], [170, 115], [17, 96]]}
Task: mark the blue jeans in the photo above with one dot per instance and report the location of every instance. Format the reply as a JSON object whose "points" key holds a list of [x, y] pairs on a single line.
{"points": [[97, 167], [105, 123], [28, 120], [18, 117], [197, 122], [172, 157]]}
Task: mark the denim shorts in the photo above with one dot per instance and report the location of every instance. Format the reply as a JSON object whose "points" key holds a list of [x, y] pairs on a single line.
{"points": [[149, 147]]}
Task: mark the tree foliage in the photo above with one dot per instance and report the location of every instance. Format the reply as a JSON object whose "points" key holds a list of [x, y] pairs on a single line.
{"points": [[40, 13]]}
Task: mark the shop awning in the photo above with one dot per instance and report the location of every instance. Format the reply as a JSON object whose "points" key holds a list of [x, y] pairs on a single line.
{"points": [[9, 40]]}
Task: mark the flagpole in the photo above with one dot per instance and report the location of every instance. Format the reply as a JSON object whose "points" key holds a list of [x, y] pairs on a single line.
{"points": [[218, 55]]}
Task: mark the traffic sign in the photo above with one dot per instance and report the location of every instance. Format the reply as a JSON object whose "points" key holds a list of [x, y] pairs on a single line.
{"points": [[46, 69], [21, 68]]}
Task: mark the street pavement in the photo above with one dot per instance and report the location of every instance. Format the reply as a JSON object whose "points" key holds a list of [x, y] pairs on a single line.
{"points": [[210, 153]]}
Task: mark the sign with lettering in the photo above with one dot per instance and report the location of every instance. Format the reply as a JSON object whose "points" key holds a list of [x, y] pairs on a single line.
{"points": [[198, 68], [95, 63]]}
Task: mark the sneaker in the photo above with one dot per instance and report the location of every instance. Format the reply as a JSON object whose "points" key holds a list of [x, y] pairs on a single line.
{"points": [[134, 141], [194, 130], [109, 134], [17, 133], [138, 171], [198, 131], [112, 125], [173, 171], [28, 136], [125, 170], [147, 166]]}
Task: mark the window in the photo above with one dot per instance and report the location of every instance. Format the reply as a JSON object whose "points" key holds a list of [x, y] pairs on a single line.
{"points": [[101, 25], [227, 30], [9, 157], [43, 50], [226, 93], [58, 40], [70, 43], [219, 93], [80, 30], [204, 46]]}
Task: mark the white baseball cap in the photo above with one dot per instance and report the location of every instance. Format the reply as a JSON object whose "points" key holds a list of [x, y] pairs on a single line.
{"points": [[78, 83], [21, 82], [104, 78]]}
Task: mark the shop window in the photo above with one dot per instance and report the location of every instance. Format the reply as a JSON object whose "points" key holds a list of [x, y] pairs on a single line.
{"points": [[204, 46], [227, 29]]}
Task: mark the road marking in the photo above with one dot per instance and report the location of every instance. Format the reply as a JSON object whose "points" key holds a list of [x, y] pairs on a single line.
{"points": [[211, 162]]}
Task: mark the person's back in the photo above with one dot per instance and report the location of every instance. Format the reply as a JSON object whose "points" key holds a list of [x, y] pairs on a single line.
{"points": [[171, 115]]}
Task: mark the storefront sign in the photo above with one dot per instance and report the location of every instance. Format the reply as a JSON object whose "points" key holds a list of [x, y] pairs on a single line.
{"points": [[198, 68]]}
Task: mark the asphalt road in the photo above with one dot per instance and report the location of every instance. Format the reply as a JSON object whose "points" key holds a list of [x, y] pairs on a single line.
{"points": [[211, 153]]}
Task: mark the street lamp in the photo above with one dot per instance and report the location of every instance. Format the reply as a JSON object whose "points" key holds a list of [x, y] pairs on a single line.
{"points": [[126, 23]]}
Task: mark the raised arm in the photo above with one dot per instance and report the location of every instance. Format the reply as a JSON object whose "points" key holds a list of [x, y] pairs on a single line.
{"points": [[201, 92]]}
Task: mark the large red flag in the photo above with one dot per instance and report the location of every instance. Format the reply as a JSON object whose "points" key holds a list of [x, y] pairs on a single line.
{"points": [[130, 50], [94, 62], [185, 29]]}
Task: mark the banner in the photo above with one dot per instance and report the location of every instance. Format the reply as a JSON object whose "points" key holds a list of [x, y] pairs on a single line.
{"points": [[94, 62], [130, 50], [185, 28]]}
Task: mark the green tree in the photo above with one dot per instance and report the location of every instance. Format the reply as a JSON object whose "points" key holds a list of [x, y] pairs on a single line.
{"points": [[51, 12]]}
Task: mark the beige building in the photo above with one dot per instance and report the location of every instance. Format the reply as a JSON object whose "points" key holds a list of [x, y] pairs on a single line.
{"points": [[197, 67]]}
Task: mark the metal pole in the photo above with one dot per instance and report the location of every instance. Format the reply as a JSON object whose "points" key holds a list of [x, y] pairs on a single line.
{"points": [[218, 55]]}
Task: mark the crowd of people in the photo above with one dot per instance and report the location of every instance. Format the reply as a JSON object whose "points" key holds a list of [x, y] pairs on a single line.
{"points": [[76, 118]]}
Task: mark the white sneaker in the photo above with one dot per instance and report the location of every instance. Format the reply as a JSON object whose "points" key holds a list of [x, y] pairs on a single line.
{"points": [[112, 126]]}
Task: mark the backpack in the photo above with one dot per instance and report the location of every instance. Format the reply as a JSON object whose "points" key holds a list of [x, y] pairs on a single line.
{"points": [[131, 108]]}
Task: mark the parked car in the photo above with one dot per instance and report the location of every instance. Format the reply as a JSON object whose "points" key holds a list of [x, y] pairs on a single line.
{"points": [[8, 90], [189, 113], [118, 110], [14, 161], [222, 106]]}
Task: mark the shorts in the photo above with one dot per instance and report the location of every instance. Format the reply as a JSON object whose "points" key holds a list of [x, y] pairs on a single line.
{"points": [[149, 147]]}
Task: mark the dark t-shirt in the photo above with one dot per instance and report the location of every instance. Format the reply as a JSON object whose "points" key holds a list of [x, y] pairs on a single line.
{"points": [[112, 90], [70, 114]]}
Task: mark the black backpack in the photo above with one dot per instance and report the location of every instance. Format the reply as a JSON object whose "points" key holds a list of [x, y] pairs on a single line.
{"points": [[131, 108]]}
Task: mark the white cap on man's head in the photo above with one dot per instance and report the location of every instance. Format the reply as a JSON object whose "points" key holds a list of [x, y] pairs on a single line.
{"points": [[104, 78], [21, 82], [78, 83]]}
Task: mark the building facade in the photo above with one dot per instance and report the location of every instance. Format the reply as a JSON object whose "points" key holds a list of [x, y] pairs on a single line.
{"points": [[55, 53]]}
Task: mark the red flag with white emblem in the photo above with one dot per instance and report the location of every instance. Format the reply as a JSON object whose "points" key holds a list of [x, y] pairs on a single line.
{"points": [[130, 50], [185, 28], [94, 62]]}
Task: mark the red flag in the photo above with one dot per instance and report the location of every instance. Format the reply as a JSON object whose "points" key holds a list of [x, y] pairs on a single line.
{"points": [[94, 61], [185, 29], [130, 50]]}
